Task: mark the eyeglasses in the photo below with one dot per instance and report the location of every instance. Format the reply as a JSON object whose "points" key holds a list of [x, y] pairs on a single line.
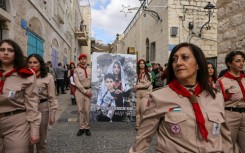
{"points": [[9, 50]]}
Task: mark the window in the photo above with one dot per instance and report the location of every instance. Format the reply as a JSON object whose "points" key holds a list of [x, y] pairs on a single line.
{"points": [[153, 51], [3, 4]]}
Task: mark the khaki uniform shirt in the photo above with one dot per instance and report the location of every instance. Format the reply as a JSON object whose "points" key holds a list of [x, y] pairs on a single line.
{"points": [[22, 94], [232, 87], [46, 90], [171, 116], [144, 83], [80, 79]]}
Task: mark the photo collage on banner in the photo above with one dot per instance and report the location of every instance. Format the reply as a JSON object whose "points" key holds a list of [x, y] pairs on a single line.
{"points": [[113, 77]]}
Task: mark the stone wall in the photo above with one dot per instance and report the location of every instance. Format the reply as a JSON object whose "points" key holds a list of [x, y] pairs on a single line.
{"points": [[42, 20], [231, 28], [173, 13]]}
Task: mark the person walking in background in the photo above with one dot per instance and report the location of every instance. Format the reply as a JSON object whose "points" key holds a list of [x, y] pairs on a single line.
{"points": [[66, 77], [82, 78], [48, 103], [51, 70], [19, 115], [155, 70], [149, 68], [158, 78], [60, 73], [143, 89], [188, 114], [72, 83], [212, 74], [232, 87]]}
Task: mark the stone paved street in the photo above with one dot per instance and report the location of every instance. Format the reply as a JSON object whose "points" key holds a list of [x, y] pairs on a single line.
{"points": [[105, 138]]}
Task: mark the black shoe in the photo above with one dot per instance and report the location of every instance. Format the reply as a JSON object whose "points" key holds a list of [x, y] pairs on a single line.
{"points": [[73, 102], [63, 92], [87, 132], [80, 132]]}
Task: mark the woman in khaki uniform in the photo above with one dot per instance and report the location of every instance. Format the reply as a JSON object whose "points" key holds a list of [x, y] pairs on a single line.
{"points": [[232, 86], [48, 102], [212, 78], [143, 89], [187, 115], [19, 116]]}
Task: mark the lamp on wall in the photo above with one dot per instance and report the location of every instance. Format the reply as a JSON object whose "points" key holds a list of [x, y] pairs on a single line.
{"points": [[209, 7]]}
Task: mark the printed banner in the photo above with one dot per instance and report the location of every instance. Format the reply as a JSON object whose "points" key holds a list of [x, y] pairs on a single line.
{"points": [[113, 77]]}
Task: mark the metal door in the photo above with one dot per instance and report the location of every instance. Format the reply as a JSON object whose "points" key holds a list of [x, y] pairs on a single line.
{"points": [[34, 44]]}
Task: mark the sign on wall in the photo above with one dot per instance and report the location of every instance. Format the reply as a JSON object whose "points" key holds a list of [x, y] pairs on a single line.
{"points": [[113, 77]]}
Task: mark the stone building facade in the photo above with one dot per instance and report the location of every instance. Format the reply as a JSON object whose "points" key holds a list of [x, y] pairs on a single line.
{"points": [[49, 28], [153, 35], [86, 12], [231, 28]]}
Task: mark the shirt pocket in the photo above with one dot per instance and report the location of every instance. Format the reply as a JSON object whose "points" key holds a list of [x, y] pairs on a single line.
{"points": [[14, 92], [235, 94], [176, 124], [214, 124], [42, 89]]}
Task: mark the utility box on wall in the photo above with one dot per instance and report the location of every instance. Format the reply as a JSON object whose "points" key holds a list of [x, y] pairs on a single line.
{"points": [[173, 31]]}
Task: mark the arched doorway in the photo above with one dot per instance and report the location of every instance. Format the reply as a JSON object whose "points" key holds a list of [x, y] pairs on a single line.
{"points": [[55, 53], [147, 44], [35, 44]]}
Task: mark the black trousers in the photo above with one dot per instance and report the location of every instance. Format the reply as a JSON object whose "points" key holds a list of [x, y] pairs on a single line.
{"points": [[60, 84]]}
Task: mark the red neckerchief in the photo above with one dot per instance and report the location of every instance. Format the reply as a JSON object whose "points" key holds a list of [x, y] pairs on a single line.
{"points": [[80, 65], [238, 79], [38, 75], [141, 75], [117, 85], [3, 77], [179, 89], [24, 72]]}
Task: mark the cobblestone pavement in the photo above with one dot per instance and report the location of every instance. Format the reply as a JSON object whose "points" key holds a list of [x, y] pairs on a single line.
{"points": [[106, 137]]}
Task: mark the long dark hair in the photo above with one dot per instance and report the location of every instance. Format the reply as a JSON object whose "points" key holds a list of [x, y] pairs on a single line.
{"points": [[202, 72], [116, 62], [43, 68], [19, 58], [214, 76], [70, 68], [146, 69]]}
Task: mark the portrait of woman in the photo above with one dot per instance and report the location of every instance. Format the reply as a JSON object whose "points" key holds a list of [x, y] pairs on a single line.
{"points": [[118, 91]]}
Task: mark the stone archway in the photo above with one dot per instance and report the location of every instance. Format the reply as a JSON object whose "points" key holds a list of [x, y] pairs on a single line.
{"points": [[35, 25], [55, 53]]}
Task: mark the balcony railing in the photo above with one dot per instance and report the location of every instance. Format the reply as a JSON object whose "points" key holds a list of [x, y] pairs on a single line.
{"points": [[81, 35], [3, 4]]}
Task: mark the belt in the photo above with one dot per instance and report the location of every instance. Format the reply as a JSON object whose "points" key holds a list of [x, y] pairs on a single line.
{"points": [[43, 100], [234, 109], [87, 87], [11, 113]]}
